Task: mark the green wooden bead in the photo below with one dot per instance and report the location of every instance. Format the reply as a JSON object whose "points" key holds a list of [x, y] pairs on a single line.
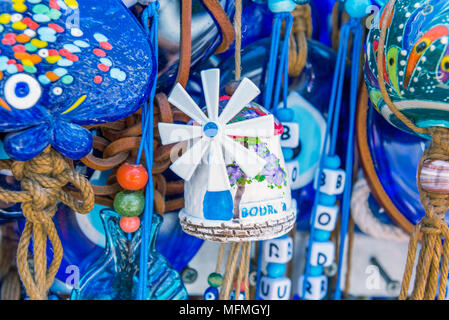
{"points": [[129, 203], [215, 280]]}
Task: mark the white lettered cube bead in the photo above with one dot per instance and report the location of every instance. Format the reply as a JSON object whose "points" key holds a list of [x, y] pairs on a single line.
{"points": [[326, 217], [275, 288], [278, 250], [293, 174], [315, 289], [322, 253], [331, 181], [290, 135]]}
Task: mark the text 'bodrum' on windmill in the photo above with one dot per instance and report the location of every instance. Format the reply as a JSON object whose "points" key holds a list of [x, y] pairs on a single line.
{"points": [[236, 185]]}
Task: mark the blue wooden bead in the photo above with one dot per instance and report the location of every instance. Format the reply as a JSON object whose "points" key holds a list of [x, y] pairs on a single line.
{"points": [[327, 200], [321, 235], [278, 6], [315, 271], [211, 293], [332, 162], [357, 8], [285, 114], [288, 153], [276, 270]]}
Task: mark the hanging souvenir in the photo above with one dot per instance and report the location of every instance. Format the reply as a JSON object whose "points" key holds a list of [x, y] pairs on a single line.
{"points": [[331, 181], [407, 78], [115, 275], [213, 209], [65, 64]]}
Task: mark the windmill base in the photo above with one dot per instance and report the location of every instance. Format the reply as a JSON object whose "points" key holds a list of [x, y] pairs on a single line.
{"points": [[235, 230]]}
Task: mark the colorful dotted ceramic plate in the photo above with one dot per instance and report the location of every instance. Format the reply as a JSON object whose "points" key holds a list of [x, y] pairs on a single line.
{"points": [[67, 63]]}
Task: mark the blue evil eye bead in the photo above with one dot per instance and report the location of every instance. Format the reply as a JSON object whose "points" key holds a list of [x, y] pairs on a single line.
{"points": [[211, 293], [278, 6], [241, 296], [285, 114], [276, 270], [357, 8], [22, 91]]}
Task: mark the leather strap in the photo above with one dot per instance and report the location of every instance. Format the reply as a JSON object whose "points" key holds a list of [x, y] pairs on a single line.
{"points": [[121, 142], [227, 29], [186, 43]]}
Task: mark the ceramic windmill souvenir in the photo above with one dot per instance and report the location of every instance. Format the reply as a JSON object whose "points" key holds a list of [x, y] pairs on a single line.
{"points": [[407, 75], [63, 64], [216, 163]]}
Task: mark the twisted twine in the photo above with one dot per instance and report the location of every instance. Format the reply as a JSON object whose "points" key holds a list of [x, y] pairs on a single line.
{"points": [[8, 272], [433, 258], [42, 181], [302, 29]]}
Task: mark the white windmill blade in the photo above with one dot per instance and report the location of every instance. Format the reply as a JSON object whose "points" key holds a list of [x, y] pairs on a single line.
{"points": [[211, 87], [261, 127], [185, 166], [218, 179], [171, 133], [250, 163], [182, 100], [244, 94]]}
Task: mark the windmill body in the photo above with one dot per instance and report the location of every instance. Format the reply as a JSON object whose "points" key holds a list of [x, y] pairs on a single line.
{"points": [[236, 185]]}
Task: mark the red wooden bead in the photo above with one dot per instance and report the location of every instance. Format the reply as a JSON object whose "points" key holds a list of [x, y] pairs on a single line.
{"points": [[129, 224], [132, 176]]}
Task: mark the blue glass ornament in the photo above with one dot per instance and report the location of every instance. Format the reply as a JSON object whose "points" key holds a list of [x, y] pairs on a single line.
{"points": [[357, 8], [115, 275], [205, 36], [69, 74], [394, 157]]}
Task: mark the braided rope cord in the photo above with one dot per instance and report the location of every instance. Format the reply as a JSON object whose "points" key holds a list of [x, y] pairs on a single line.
{"points": [[433, 259], [302, 29], [42, 181], [10, 288]]}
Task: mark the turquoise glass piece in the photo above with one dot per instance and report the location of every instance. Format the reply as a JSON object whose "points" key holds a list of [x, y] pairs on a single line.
{"points": [[115, 275], [278, 6], [357, 8]]}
